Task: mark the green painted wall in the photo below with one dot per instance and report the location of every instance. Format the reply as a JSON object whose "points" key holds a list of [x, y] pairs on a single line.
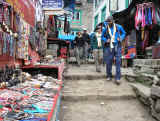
{"points": [[127, 3], [95, 21], [103, 15]]}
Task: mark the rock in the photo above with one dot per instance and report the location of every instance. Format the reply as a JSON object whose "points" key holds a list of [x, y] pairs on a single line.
{"points": [[130, 78], [142, 92], [154, 78], [155, 91], [158, 73], [155, 114], [157, 106]]}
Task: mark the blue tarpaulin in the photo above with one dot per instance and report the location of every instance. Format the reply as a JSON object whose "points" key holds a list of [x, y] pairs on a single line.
{"points": [[66, 37]]}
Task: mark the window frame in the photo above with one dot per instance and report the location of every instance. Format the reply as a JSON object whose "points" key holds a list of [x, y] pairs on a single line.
{"points": [[75, 21]]}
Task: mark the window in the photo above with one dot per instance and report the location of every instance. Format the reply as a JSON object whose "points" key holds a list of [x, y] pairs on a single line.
{"points": [[113, 5], [76, 18], [103, 15]]}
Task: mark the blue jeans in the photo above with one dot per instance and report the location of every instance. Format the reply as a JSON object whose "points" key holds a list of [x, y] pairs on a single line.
{"points": [[108, 58]]}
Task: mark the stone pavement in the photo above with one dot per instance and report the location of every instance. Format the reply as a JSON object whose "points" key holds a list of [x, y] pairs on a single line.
{"points": [[88, 71], [87, 96]]}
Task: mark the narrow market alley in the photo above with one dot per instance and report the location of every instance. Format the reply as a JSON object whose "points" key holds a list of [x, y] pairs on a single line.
{"points": [[87, 96]]}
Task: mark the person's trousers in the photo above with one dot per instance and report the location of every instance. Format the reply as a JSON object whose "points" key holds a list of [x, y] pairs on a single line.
{"points": [[109, 55], [98, 58], [79, 54], [86, 48]]}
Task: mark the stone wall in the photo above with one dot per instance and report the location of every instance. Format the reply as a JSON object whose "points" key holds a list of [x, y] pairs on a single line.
{"points": [[87, 15], [147, 70]]}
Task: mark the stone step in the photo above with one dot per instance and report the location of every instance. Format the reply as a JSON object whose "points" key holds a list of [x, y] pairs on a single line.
{"points": [[97, 97], [100, 110], [96, 89], [142, 92]]}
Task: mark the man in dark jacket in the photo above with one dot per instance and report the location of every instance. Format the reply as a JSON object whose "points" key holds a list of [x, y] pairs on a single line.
{"points": [[79, 44], [86, 40]]}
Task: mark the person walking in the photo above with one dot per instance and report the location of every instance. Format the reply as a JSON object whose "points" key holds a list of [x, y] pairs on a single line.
{"points": [[96, 45], [79, 44], [112, 35], [86, 40]]}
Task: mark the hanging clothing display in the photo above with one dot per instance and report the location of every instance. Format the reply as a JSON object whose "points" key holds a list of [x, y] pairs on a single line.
{"points": [[146, 15], [7, 44], [22, 44]]}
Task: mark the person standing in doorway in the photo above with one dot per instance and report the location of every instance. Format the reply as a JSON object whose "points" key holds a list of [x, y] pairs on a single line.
{"points": [[96, 45], [112, 36], [86, 40], [79, 44]]}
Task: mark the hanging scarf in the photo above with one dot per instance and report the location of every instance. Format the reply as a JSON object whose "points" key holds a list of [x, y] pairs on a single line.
{"points": [[157, 15], [150, 16], [136, 19], [153, 16], [143, 18], [112, 36], [146, 16]]}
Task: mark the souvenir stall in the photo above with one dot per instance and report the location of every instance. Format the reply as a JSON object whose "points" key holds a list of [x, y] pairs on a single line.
{"points": [[143, 17], [24, 96]]}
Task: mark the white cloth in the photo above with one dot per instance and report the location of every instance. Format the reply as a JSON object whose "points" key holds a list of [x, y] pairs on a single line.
{"points": [[112, 35], [99, 39]]}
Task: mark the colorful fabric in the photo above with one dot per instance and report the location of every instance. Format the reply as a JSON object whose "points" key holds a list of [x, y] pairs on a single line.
{"points": [[35, 119], [153, 15], [143, 18], [149, 16]]}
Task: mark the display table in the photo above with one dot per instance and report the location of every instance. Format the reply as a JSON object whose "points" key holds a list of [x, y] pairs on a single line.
{"points": [[52, 116], [59, 67]]}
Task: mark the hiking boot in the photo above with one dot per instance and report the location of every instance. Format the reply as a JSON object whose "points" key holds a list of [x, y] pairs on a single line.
{"points": [[117, 82], [109, 79]]}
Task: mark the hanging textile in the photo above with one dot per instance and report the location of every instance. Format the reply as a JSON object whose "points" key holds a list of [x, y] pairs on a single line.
{"points": [[146, 17], [153, 15], [157, 15], [1, 43], [6, 15], [146, 39], [149, 16], [143, 18], [1, 13]]}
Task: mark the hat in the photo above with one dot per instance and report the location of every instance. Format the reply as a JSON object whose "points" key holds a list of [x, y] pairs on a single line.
{"points": [[84, 29], [110, 18]]}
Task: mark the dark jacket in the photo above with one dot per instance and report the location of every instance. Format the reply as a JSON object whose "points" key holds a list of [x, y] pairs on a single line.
{"points": [[86, 38], [78, 42], [94, 41]]}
